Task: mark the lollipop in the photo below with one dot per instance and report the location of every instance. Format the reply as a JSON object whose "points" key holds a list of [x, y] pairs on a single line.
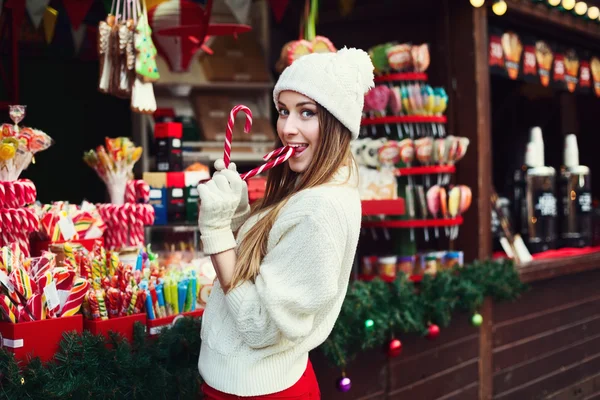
{"points": [[444, 205], [376, 101], [424, 148], [420, 57], [465, 203], [461, 148], [433, 203], [454, 202]]}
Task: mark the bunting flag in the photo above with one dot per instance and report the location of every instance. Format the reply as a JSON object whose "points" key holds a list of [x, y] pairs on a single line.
{"points": [[78, 36], [36, 10], [50, 17], [346, 7], [77, 10], [240, 9], [278, 7]]}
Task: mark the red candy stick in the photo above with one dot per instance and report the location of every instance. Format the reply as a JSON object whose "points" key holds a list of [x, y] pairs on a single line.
{"points": [[285, 155], [229, 132]]}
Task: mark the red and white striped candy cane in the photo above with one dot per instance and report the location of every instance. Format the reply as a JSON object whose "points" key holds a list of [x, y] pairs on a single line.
{"points": [[275, 153], [137, 191], [265, 167], [229, 132]]}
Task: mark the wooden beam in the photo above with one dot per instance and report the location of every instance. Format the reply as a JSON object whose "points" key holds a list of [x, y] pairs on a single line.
{"points": [[469, 106], [552, 17]]}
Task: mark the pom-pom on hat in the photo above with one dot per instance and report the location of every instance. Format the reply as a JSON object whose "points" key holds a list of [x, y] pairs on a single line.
{"points": [[337, 81]]}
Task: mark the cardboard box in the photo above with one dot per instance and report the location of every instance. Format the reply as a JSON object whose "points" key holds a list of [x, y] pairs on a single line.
{"points": [[158, 200], [154, 326], [212, 111], [38, 338], [236, 60], [121, 325]]}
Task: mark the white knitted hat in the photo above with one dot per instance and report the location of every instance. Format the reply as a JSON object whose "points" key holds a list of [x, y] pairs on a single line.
{"points": [[337, 81]]}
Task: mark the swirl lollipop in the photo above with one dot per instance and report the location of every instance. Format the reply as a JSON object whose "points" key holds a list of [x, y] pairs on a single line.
{"points": [[395, 105]]}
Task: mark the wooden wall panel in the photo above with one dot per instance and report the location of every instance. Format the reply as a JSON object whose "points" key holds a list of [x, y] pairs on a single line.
{"points": [[368, 372], [549, 340]]}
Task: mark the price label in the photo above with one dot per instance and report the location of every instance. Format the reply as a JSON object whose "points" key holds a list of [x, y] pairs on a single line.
{"points": [[545, 206], [496, 54]]}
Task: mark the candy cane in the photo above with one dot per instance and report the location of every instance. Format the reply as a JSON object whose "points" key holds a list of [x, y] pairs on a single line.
{"points": [[137, 191], [229, 132], [275, 153], [265, 167]]}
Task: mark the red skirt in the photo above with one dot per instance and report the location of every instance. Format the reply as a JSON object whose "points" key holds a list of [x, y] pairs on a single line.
{"points": [[307, 388]]}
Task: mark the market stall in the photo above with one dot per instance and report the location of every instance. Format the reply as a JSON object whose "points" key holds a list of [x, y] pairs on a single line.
{"points": [[451, 297]]}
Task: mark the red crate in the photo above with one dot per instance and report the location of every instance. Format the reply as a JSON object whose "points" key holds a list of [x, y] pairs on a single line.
{"points": [[121, 325], [154, 326], [38, 338]]}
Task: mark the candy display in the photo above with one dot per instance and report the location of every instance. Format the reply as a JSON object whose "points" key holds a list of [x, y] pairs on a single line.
{"points": [[61, 221], [19, 145], [34, 289], [114, 165], [17, 150], [395, 57]]}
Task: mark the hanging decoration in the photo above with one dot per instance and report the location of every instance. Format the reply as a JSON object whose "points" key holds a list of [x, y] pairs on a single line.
{"points": [[182, 27], [50, 17], [78, 36], [36, 10], [308, 41], [77, 10], [278, 7], [127, 55]]}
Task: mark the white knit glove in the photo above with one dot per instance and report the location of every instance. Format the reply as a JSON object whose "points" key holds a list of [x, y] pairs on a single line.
{"points": [[237, 185], [218, 204]]}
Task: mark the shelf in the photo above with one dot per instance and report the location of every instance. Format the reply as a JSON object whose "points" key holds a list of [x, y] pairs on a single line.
{"points": [[178, 227], [201, 144], [413, 223], [435, 169], [404, 119], [385, 207], [570, 263], [402, 77], [366, 278], [210, 156]]}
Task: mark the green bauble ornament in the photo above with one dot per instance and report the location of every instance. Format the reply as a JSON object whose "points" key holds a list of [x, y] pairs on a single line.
{"points": [[477, 319]]}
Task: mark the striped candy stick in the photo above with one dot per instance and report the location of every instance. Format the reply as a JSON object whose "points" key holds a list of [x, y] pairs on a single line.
{"points": [[8, 309], [75, 298], [101, 304], [94, 306], [283, 157], [229, 132], [63, 277]]}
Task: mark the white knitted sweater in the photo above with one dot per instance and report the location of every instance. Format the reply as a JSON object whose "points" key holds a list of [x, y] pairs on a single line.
{"points": [[256, 339]]}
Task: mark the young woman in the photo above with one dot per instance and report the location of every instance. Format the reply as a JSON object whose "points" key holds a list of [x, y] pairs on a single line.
{"points": [[281, 285]]}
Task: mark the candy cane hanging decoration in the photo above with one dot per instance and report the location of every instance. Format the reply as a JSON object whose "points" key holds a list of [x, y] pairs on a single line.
{"points": [[229, 132]]}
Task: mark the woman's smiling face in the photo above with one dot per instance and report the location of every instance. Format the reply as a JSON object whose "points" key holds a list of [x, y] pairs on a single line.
{"points": [[298, 126]]}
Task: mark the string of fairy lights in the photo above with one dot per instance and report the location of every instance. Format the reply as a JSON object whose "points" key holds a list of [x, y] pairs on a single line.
{"points": [[578, 8]]}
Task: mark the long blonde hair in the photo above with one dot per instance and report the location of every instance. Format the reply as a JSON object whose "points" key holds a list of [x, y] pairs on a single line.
{"points": [[332, 152]]}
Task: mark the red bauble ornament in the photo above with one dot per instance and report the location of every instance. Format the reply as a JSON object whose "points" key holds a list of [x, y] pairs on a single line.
{"points": [[395, 348], [433, 331]]}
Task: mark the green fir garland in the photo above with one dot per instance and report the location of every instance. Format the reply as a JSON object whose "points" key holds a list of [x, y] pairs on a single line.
{"points": [[166, 367], [404, 307]]}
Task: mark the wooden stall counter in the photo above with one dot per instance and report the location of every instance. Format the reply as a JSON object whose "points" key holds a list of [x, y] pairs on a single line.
{"points": [[545, 345]]}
